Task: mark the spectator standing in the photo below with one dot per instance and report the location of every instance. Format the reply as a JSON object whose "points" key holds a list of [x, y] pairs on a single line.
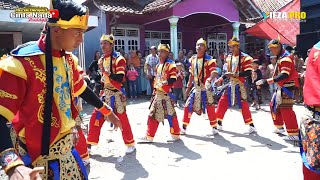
{"points": [[184, 62], [178, 85], [184, 52], [298, 64], [125, 84], [255, 91], [132, 76], [181, 57], [136, 61], [262, 57], [171, 56], [263, 69], [94, 74], [152, 60], [221, 58], [121, 51], [269, 73]]}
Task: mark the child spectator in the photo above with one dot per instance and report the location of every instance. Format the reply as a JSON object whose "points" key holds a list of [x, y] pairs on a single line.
{"points": [[255, 91], [132, 75], [263, 69], [178, 85]]}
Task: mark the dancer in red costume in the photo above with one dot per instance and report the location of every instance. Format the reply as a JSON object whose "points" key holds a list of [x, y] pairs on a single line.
{"points": [[113, 68], [162, 106], [44, 80], [281, 104], [201, 101], [239, 67], [312, 103]]}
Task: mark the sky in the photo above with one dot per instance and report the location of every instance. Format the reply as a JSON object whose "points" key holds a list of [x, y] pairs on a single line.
{"points": [[45, 2]]}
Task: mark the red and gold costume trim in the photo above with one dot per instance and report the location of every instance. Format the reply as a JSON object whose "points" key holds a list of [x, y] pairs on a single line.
{"points": [[233, 64], [210, 67], [286, 65], [118, 67], [164, 73], [26, 74]]}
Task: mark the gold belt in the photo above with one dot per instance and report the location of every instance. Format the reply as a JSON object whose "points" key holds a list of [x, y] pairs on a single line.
{"points": [[60, 149], [161, 93]]}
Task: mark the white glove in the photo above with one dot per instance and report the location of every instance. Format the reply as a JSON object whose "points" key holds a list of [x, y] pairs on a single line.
{"points": [[208, 85], [260, 82]]}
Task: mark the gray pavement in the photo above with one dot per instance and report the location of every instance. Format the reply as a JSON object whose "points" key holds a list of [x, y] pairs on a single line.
{"points": [[227, 156]]}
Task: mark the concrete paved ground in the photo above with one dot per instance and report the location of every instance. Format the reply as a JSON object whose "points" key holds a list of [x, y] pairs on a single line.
{"points": [[227, 156]]}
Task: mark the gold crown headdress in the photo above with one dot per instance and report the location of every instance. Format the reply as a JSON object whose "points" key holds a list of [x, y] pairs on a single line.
{"points": [[165, 47], [80, 22], [274, 42], [234, 41], [202, 41], [109, 38]]}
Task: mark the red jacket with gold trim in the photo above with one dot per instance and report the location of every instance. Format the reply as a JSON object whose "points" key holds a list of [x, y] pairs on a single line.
{"points": [[210, 66], [245, 64], [165, 71], [22, 93], [311, 91], [285, 65], [118, 67]]}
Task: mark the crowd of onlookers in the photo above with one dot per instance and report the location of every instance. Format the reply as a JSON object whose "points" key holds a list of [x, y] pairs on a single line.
{"points": [[141, 71]]}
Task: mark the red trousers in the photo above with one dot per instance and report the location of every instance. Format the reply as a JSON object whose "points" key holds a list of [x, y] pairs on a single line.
{"points": [[286, 115], [223, 107], [153, 126], [82, 146], [309, 175], [96, 125], [211, 115]]}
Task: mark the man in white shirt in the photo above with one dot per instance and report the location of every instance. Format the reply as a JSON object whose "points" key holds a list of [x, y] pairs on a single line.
{"points": [[152, 60]]}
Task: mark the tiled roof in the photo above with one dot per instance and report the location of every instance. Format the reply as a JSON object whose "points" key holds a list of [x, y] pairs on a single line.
{"points": [[134, 6], [158, 5], [270, 5], [250, 10], [120, 6], [12, 4]]}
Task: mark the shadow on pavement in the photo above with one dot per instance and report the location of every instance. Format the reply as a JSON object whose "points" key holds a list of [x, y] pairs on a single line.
{"points": [[180, 148], [128, 165], [220, 141], [264, 142]]}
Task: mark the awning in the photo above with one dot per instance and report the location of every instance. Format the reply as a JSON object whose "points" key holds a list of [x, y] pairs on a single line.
{"points": [[272, 28]]}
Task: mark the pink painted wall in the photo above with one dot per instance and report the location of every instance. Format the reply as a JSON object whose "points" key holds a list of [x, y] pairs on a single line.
{"points": [[189, 37], [224, 8], [207, 13], [142, 19]]}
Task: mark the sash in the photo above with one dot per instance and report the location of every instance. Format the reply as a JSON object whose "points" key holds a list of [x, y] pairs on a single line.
{"points": [[54, 165]]}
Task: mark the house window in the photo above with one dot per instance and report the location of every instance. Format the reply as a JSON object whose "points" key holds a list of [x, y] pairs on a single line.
{"points": [[119, 44], [133, 45], [126, 39], [154, 38], [217, 42]]}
